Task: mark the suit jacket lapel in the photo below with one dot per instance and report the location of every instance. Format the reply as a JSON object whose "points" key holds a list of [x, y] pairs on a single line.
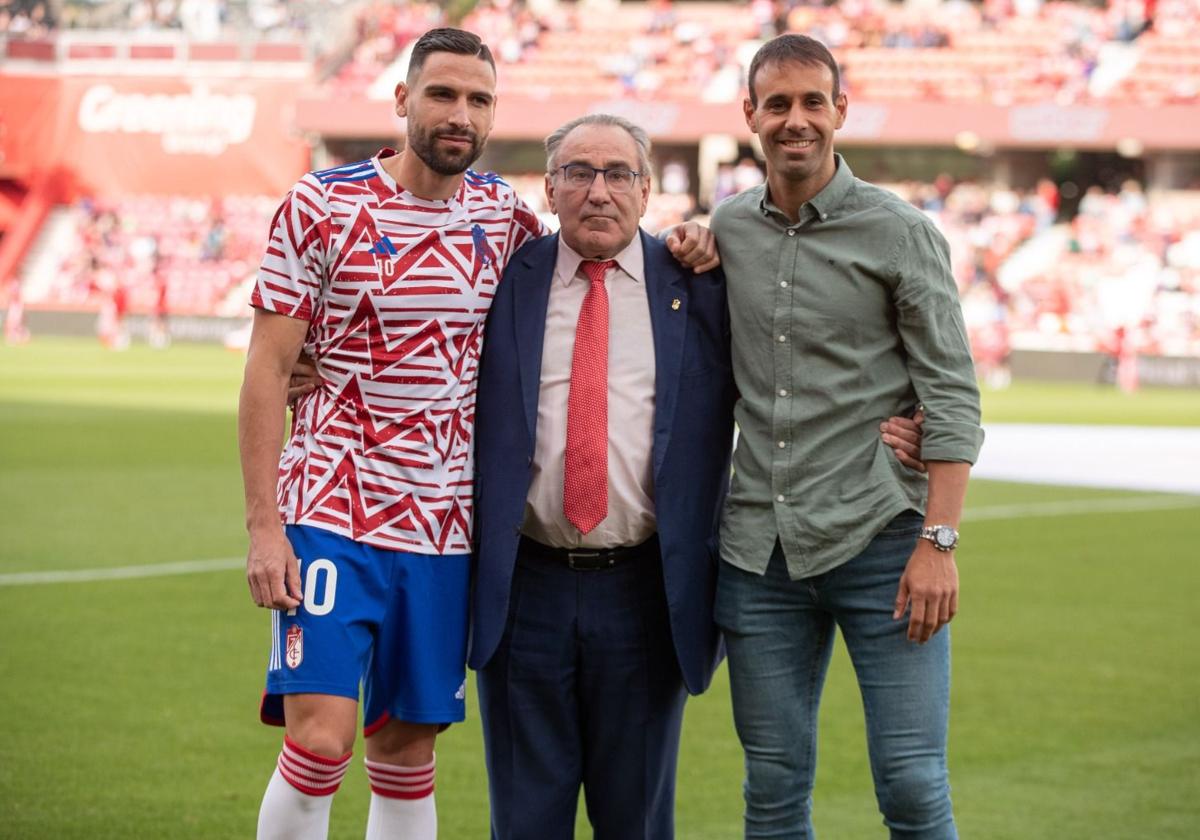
{"points": [[530, 302], [666, 293]]}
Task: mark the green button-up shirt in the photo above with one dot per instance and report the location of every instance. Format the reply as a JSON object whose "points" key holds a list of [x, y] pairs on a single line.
{"points": [[839, 321]]}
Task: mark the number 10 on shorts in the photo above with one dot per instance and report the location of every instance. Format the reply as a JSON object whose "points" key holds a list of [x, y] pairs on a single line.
{"points": [[319, 601]]}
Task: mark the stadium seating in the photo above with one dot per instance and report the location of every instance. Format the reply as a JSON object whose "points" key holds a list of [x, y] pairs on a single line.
{"points": [[941, 51], [996, 52], [1124, 260], [203, 251]]}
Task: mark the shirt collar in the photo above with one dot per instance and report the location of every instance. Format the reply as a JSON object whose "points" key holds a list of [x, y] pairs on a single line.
{"points": [[454, 202], [630, 260], [824, 202]]}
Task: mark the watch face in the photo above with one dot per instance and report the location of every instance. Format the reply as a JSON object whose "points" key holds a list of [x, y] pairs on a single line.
{"points": [[945, 537]]}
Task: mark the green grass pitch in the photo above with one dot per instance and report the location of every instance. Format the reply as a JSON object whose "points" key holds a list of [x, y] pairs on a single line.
{"points": [[128, 707]]}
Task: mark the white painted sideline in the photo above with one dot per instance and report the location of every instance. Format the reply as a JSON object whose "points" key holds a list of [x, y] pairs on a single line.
{"points": [[1070, 507], [186, 567], [1080, 507]]}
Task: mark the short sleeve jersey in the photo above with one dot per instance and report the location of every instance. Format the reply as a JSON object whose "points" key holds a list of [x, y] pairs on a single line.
{"points": [[395, 290]]}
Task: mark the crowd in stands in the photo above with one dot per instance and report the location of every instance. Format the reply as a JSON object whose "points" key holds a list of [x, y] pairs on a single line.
{"points": [[1123, 273], [161, 255], [199, 19], [381, 30], [32, 19], [1126, 269], [1001, 52]]}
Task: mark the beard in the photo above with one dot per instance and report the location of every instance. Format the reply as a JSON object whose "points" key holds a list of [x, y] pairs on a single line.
{"points": [[442, 161]]}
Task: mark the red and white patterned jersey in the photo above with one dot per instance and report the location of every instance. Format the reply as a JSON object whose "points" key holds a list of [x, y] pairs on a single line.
{"points": [[395, 289]]}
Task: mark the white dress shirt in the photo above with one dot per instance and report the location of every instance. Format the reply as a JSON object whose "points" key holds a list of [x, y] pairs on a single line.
{"points": [[631, 381]]}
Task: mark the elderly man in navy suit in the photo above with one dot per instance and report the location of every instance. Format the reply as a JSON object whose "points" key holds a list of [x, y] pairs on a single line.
{"points": [[603, 435], [604, 427]]}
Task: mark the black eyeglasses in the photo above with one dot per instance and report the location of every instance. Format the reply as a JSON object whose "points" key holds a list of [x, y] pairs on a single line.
{"points": [[580, 176]]}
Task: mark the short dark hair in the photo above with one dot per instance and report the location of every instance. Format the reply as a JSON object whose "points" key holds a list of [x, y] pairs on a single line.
{"points": [[445, 39], [792, 47]]}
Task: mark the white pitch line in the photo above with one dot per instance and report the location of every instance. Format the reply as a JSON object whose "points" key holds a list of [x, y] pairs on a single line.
{"points": [[186, 567], [1075, 507], [1071, 507]]}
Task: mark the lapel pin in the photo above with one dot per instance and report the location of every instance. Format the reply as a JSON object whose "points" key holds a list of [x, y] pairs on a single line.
{"points": [[675, 304]]}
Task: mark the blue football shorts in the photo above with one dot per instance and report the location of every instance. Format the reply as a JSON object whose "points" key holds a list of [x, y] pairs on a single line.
{"points": [[393, 622]]}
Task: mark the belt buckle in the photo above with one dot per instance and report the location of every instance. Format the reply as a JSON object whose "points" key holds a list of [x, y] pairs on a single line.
{"points": [[585, 561]]}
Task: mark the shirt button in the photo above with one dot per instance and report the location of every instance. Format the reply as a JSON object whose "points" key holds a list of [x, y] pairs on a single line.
{"points": [[783, 444], [782, 339], [779, 498], [783, 392], [791, 232], [783, 284], [824, 216]]}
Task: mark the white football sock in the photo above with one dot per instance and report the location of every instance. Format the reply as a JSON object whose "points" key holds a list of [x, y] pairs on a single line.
{"points": [[402, 806], [300, 794]]}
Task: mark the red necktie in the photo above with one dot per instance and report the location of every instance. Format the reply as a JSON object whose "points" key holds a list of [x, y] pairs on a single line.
{"points": [[585, 472]]}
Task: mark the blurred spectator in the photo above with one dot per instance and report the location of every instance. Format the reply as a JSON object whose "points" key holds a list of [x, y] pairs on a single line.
{"points": [[747, 174], [674, 179], [726, 183], [31, 19], [214, 241], [15, 331]]}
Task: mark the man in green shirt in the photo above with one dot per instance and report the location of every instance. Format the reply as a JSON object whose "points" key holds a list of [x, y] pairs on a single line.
{"points": [[843, 312]]}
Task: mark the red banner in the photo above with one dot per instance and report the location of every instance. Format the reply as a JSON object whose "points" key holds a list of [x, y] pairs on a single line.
{"points": [[120, 135]]}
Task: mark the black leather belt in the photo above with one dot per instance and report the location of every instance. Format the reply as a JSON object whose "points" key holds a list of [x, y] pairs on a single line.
{"points": [[589, 559]]}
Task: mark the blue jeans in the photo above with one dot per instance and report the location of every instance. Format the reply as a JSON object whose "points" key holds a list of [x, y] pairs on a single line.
{"points": [[779, 635]]}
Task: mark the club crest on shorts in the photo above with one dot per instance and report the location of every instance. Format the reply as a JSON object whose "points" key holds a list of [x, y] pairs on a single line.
{"points": [[295, 647]]}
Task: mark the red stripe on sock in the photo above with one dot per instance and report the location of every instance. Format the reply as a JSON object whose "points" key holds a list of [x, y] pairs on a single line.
{"points": [[289, 744], [289, 766], [396, 782], [389, 793], [400, 774], [309, 773], [306, 789]]}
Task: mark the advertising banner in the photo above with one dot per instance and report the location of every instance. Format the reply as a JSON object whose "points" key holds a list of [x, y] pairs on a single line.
{"points": [[166, 136]]}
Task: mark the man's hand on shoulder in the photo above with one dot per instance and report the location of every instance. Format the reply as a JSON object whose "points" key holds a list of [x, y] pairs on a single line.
{"points": [[904, 436], [694, 246]]}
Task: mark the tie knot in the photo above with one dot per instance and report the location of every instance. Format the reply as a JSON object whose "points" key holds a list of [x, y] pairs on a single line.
{"points": [[596, 269]]}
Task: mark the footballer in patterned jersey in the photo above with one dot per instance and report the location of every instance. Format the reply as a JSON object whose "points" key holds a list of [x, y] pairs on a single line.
{"points": [[395, 289], [382, 272]]}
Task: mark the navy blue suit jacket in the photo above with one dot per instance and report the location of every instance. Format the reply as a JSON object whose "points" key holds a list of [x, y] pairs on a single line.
{"points": [[693, 435]]}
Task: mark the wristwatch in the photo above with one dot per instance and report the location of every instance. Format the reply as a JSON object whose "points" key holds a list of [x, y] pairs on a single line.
{"points": [[943, 537]]}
